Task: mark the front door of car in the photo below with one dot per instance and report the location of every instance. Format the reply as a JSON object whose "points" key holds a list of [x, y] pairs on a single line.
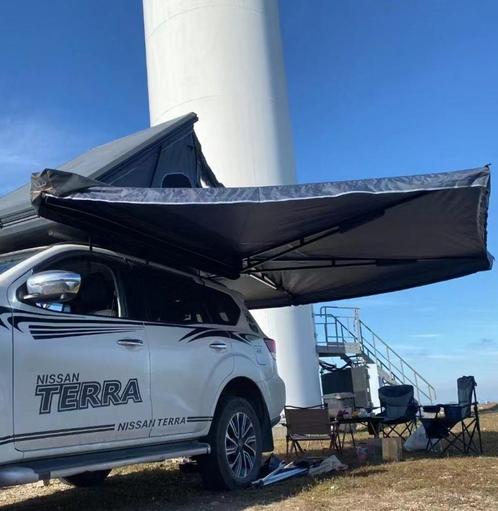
{"points": [[191, 358], [81, 370]]}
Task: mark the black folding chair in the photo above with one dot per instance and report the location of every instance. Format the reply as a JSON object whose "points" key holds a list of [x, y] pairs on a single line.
{"points": [[441, 431], [399, 408]]}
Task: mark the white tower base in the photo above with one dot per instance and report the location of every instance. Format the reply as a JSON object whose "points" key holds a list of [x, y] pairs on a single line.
{"points": [[292, 329], [223, 60]]}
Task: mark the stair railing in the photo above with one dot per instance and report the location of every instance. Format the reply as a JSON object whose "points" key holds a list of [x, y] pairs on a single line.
{"points": [[348, 327]]}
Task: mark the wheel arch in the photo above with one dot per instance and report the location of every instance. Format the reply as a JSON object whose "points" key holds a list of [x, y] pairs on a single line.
{"points": [[246, 388]]}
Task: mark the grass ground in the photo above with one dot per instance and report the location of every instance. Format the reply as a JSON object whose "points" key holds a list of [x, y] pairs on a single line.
{"points": [[420, 482]]}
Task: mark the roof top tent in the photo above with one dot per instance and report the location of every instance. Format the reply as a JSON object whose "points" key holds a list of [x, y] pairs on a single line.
{"points": [[294, 244], [166, 155]]}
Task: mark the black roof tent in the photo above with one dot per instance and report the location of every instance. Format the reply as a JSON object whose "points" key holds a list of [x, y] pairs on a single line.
{"points": [[168, 154], [290, 245]]}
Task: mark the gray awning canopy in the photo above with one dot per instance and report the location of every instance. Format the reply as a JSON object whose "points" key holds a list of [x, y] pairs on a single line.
{"points": [[290, 245]]}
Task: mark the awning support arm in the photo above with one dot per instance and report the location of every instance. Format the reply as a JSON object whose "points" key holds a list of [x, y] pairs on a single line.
{"points": [[331, 265], [324, 233], [359, 262], [265, 279]]}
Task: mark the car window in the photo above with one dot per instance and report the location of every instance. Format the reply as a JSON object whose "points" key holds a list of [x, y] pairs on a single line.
{"points": [[98, 294], [222, 307], [252, 322], [132, 277], [171, 298]]}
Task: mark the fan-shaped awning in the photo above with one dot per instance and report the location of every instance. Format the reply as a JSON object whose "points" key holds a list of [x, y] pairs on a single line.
{"points": [[290, 245]]}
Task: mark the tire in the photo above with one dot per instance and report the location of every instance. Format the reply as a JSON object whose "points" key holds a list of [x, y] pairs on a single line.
{"points": [[236, 440], [86, 479]]}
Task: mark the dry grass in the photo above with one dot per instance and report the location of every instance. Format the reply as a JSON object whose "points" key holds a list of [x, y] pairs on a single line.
{"points": [[418, 483]]}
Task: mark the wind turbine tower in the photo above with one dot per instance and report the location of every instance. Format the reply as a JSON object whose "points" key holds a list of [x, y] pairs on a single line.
{"points": [[223, 60]]}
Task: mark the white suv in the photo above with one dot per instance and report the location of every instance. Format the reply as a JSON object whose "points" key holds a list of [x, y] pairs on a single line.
{"points": [[106, 360]]}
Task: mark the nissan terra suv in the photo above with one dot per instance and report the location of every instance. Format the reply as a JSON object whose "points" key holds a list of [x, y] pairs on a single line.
{"points": [[106, 360]]}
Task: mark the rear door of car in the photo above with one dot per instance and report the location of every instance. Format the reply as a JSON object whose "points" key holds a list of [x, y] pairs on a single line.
{"points": [[191, 355]]}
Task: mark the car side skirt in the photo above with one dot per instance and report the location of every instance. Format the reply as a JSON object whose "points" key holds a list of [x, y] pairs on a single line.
{"points": [[45, 469]]}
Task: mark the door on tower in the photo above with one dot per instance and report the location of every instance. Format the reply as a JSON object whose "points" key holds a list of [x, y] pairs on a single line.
{"points": [[81, 368]]}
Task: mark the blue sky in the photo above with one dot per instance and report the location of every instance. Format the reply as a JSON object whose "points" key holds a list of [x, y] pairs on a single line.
{"points": [[376, 88]]}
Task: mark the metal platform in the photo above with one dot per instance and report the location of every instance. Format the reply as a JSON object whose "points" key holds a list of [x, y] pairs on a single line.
{"points": [[339, 332]]}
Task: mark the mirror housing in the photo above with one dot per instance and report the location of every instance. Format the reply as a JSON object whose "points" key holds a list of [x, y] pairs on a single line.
{"points": [[52, 286]]}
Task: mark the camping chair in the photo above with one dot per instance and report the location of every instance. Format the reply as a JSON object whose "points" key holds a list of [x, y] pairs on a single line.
{"points": [[465, 413], [399, 407], [308, 424]]}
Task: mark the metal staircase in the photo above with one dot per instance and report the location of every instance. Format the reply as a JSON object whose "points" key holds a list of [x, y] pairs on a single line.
{"points": [[339, 332]]}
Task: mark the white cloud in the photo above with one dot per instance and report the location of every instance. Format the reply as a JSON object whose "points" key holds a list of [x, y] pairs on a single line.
{"points": [[446, 356]]}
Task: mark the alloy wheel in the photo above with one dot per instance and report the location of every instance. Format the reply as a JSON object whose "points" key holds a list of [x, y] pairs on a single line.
{"points": [[240, 445]]}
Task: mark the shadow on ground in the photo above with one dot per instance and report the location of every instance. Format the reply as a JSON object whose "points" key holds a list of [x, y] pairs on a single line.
{"points": [[160, 488]]}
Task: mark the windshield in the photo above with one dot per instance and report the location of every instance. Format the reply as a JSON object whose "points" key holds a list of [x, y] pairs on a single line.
{"points": [[7, 261]]}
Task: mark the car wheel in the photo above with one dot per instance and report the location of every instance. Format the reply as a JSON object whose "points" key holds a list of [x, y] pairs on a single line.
{"points": [[235, 439], [87, 478]]}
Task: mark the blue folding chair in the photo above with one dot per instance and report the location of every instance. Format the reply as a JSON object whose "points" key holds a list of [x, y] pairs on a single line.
{"points": [[399, 408], [440, 429]]}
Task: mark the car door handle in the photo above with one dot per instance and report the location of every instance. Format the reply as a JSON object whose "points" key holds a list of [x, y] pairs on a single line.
{"points": [[218, 346], [130, 342]]}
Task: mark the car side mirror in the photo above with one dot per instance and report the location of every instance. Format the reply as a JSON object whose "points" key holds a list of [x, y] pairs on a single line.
{"points": [[52, 286]]}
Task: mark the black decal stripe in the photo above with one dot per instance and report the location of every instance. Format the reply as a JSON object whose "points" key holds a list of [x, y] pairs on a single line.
{"points": [[50, 328], [62, 319], [202, 333], [22, 316], [211, 333], [18, 316], [44, 323], [78, 332], [39, 435], [195, 331], [64, 336], [84, 324], [102, 430], [71, 332], [65, 430], [5, 311], [66, 318], [199, 419]]}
